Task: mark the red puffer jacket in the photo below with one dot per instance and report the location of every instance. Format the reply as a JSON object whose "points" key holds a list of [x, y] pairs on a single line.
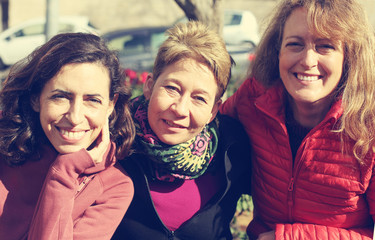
{"points": [[323, 194]]}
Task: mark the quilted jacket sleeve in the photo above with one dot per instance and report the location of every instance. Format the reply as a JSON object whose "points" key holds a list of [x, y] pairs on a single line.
{"points": [[250, 88], [53, 215], [311, 231], [229, 106]]}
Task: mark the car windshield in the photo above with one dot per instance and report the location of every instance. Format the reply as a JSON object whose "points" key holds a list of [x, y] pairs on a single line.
{"points": [[137, 43], [156, 40]]}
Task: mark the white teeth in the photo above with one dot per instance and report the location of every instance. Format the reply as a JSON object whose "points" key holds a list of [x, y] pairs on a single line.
{"points": [[72, 135], [307, 78], [172, 124]]}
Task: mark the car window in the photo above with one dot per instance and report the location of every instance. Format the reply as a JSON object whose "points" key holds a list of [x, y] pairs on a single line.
{"points": [[156, 40], [232, 19], [66, 27], [137, 44], [117, 43], [130, 44], [31, 30]]}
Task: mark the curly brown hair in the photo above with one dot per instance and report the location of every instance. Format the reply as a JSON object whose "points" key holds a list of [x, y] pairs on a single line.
{"points": [[20, 132]]}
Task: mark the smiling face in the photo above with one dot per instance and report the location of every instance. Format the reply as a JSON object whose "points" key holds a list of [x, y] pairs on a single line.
{"points": [[310, 67], [181, 101], [74, 106]]}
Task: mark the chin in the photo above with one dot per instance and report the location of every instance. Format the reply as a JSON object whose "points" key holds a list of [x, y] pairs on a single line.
{"points": [[68, 149]]}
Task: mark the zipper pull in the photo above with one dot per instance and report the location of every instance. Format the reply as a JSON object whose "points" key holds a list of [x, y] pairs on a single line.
{"points": [[291, 184], [82, 184]]}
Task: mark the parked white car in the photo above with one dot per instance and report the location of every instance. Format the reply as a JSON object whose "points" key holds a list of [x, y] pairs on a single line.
{"points": [[19, 41], [240, 27]]}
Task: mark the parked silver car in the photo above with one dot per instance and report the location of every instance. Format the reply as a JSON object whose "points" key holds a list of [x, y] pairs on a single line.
{"points": [[137, 48], [19, 41]]}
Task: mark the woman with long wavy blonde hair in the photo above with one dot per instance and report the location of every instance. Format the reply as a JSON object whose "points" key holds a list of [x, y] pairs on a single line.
{"points": [[308, 109]]}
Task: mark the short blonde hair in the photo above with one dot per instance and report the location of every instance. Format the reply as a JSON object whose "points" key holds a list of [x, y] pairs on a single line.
{"points": [[197, 41], [338, 20]]}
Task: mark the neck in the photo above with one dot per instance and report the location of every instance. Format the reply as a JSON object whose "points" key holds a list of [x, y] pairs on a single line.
{"points": [[310, 114]]}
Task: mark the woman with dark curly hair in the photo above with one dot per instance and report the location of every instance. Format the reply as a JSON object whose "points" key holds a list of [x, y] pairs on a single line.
{"points": [[64, 121]]}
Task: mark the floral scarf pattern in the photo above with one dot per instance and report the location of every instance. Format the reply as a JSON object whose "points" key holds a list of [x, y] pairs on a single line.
{"points": [[186, 160]]}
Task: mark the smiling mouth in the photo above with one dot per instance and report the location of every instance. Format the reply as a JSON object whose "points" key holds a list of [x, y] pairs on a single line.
{"points": [[308, 78], [172, 124], [71, 134]]}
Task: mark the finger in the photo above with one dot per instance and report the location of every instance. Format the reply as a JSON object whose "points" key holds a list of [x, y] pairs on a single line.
{"points": [[105, 131], [102, 142]]}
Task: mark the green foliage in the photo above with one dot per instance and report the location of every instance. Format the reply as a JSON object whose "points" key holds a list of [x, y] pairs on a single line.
{"points": [[242, 217], [137, 90]]}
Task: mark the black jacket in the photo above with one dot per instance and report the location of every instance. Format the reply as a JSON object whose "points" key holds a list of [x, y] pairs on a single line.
{"points": [[142, 222]]}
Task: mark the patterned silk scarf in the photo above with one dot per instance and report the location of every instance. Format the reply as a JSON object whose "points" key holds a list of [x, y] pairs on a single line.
{"points": [[186, 160]]}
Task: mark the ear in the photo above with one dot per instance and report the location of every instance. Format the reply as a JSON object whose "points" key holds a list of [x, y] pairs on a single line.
{"points": [[148, 86], [35, 103], [215, 109], [112, 105]]}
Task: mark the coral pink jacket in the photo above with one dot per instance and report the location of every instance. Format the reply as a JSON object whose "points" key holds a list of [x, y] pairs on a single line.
{"points": [[323, 193], [63, 197]]}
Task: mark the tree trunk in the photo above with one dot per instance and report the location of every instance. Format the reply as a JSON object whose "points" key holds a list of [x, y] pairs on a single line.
{"points": [[209, 12]]}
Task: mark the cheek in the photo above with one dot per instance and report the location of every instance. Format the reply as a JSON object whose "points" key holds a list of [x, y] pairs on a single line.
{"points": [[158, 104], [334, 66], [96, 120], [201, 117], [284, 62], [50, 113]]}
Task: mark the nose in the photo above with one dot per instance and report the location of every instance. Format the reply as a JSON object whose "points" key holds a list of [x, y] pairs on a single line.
{"points": [[181, 107], [309, 58], [75, 113]]}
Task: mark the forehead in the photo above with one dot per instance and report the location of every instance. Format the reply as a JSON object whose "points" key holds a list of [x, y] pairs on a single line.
{"points": [[320, 26], [191, 73], [81, 78]]}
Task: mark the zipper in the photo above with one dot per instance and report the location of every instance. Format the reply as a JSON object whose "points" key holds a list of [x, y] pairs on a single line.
{"points": [[290, 198], [295, 169], [84, 183], [171, 235]]}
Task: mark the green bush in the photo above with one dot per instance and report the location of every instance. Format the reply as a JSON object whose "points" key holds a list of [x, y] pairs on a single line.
{"points": [[244, 210]]}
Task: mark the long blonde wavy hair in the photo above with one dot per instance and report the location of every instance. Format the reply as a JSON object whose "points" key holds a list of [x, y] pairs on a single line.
{"points": [[340, 20]]}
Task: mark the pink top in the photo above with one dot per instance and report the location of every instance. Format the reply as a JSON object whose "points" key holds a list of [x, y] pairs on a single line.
{"points": [[65, 196], [176, 202]]}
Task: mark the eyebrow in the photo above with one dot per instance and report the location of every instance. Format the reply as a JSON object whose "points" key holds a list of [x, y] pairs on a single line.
{"points": [[70, 94], [176, 81], [293, 36], [315, 38]]}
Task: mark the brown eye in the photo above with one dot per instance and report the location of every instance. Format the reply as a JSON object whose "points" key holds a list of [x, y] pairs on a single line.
{"points": [[324, 48], [200, 99], [294, 46], [95, 100], [59, 97]]}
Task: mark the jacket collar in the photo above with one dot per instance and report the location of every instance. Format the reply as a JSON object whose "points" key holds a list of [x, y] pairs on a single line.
{"points": [[272, 103]]}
